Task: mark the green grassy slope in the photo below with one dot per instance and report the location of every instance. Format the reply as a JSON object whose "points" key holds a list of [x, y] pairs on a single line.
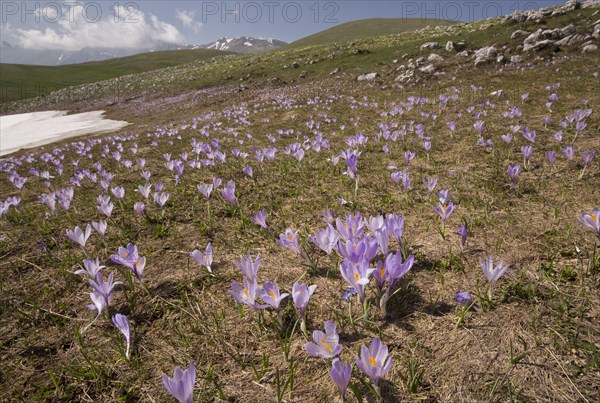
{"points": [[363, 29], [25, 81]]}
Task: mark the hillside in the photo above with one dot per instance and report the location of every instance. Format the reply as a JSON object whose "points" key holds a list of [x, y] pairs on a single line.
{"points": [[27, 81], [367, 28], [410, 217]]}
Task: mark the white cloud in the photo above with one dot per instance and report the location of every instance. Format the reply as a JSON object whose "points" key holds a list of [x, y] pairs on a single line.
{"points": [[72, 32], [187, 18]]}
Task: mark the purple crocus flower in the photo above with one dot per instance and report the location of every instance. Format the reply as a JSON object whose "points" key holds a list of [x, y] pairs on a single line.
{"points": [[228, 193], [77, 235], [349, 293], [290, 240], [591, 220], [204, 259], [139, 207], [301, 294], [479, 126], [587, 157], [247, 293], [119, 192], [462, 231], [551, 157], [444, 196], [122, 323], [248, 267], [100, 227], [328, 216], [161, 199], [127, 256], [558, 136], [351, 228], [92, 267], [270, 294], [357, 275], [341, 374], [463, 298], [374, 362], [106, 209], [568, 152], [492, 273], [529, 134], [144, 190], [326, 239], [527, 151], [409, 155], [248, 171], [444, 210], [430, 183], [260, 219], [102, 292], [205, 189], [507, 138], [325, 344], [394, 224], [405, 179], [513, 171], [181, 386]]}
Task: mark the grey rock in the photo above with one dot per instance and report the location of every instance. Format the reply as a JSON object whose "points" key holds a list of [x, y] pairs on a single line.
{"points": [[430, 45], [596, 33], [404, 77], [435, 58], [571, 40], [516, 59], [368, 77], [591, 48], [485, 54], [449, 46], [464, 53], [541, 45], [519, 32], [421, 61], [430, 68]]}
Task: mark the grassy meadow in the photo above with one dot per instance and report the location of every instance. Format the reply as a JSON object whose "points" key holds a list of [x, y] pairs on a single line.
{"points": [[309, 151]]}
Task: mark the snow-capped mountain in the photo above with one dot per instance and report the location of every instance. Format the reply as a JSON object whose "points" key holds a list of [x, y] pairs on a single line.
{"points": [[245, 44], [16, 55]]}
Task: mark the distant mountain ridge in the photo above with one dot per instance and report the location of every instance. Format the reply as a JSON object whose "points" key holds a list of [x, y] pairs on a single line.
{"points": [[16, 55], [245, 44]]}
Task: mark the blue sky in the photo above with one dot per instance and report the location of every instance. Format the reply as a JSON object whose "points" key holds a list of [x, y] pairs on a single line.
{"points": [[71, 24]]}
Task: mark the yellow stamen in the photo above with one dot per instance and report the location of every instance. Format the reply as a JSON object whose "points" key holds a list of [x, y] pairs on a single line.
{"points": [[327, 346], [290, 237], [382, 271], [356, 276], [372, 361], [354, 246], [272, 294], [246, 293]]}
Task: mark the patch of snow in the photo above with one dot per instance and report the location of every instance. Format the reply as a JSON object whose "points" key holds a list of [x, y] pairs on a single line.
{"points": [[34, 129]]}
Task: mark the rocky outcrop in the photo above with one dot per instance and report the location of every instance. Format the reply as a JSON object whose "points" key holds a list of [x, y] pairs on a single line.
{"points": [[435, 58], [429, 69], [430, 46], [367, 77], [485, 54], [518, 33], [545, 39]]}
